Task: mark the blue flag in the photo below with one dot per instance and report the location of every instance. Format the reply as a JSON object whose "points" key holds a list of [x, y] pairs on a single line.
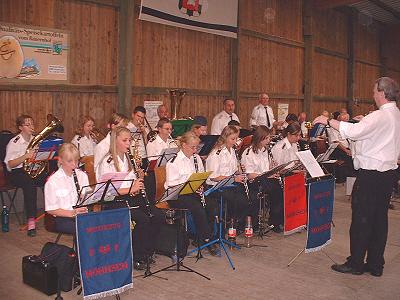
{"points": [[105, 252], [320, 210]]}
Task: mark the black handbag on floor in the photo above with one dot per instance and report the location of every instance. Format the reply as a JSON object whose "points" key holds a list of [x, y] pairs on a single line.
{"points": [[172, 241], [56, 264]]}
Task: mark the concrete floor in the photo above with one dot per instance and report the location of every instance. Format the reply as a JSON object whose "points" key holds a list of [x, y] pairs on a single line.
{"points": [[261, 272]]}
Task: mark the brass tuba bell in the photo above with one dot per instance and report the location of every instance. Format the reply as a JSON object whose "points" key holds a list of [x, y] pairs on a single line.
{"points": [[176, 97], [34, 169]]}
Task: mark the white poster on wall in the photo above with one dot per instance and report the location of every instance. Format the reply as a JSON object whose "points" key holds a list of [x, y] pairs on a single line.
{"points": [[283, 110], [151, 112], [211, 16]]}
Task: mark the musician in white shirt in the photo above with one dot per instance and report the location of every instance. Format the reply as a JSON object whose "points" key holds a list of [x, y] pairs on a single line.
{"points": [[256, 160], [62, 189], [84, 139], [102, 148], [147, 227], [222, 162], [263, 114], [16, 154], [162, 140], [221, 120], [377, 149], [178, 171], [285, 150], [138, 130]]}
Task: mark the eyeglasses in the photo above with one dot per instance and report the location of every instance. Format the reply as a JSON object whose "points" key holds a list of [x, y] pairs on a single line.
{"points": [[28, 125]]}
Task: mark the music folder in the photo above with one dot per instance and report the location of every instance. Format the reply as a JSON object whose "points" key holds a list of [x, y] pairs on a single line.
{"points": [[47, 149]]}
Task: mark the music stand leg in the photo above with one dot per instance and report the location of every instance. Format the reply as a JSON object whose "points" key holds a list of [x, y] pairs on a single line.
{"points": [[179, 263], [220, 240]]}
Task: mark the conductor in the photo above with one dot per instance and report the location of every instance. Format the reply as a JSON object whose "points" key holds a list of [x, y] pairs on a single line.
{"points": [[377, 148]]}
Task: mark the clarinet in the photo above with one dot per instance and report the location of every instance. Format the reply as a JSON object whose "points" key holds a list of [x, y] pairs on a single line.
{"points": [[142, 191], [240, 169], [78, 189], [196, 165]]}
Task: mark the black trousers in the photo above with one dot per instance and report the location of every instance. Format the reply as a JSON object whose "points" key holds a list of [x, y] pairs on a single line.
{"points": [[192, 202], [238, 206], [146, 230], [28, 185], [369, 222], [274, 193]]}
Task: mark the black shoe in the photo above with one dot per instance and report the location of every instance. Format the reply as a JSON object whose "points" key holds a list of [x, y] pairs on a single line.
{"points": [[373, 272], [345, 268], [139, 265], [31, 232], [213, 249]]}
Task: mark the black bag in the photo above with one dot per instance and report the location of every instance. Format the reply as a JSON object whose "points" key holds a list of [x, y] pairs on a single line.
{"points": [[170, 242], [36, 269]]}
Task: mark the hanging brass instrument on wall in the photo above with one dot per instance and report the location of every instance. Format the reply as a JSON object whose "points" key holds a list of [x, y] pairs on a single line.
{"points": [[176, 97], [35, 168]]}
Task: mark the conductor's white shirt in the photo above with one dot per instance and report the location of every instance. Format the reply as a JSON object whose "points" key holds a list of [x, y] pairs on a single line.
{"points": [[179, 169], [221, 120], [377, 139]]}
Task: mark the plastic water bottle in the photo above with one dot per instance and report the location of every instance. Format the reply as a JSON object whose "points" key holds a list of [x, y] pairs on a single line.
{"points": [[232, 234], [174, 256], [248, 232], [5, 219]]}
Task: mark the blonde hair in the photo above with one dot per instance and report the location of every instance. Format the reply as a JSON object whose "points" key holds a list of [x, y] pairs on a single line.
{"points": [[228, 130], [186, 138], [69, 150], [116, 118], [82, 121], [113, 145]]}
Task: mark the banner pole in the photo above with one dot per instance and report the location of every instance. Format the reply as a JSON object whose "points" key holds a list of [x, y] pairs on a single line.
{"points": [[294, 258]]}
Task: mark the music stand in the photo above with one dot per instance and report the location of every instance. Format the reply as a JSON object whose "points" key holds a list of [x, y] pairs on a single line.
{"points": [[208, 142], [166, 155], [172, 194], [222, 185]]}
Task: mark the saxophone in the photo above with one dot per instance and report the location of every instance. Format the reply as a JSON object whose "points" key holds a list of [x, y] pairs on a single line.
{"points": [[142, 191]]}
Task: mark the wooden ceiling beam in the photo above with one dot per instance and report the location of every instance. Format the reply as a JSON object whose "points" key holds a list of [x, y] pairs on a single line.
{"points": [[386, 7], [327, 4]]}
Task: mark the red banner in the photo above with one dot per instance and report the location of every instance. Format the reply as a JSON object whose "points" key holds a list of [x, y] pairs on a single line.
{"points": [[295, 204]]}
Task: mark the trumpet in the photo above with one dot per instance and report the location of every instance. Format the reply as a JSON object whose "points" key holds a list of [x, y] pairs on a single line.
{"points": [[96, 135]]}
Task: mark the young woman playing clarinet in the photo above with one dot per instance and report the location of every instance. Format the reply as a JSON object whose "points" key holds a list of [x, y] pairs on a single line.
{"points": [[147, 218], [178, 170], [223, 162], [62, 188], [257, 160]]}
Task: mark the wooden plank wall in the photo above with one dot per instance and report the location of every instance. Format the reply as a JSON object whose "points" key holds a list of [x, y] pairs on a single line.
{"points": [[93, 63], [270, 59]]}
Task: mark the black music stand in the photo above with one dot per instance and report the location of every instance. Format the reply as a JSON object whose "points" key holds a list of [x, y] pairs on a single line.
{"points": [[172, 194], [166, 155], [222, 185]]}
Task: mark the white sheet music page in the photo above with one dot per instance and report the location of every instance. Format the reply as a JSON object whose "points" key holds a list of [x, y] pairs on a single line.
{"points": [[310, 163]]}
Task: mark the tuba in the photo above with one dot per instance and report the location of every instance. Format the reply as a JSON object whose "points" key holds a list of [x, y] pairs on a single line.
{"points": [[34, 169], [176, 97]]}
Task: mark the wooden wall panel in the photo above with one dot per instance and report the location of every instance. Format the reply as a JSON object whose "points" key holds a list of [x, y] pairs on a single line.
{"points": [[393, 74], [367, 42], [391, 47], [167, 56], [270, 67], [35, 104], [329, 76], [93, 31], [365, 78], [281, 18], [330, 30], [70, 107]]}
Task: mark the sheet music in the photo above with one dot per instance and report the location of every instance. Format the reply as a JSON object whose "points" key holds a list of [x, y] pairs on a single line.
{"points": [[194, 182], [166, 155], [310, 163], [325, 156], [172, 193], [227, 182]]}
